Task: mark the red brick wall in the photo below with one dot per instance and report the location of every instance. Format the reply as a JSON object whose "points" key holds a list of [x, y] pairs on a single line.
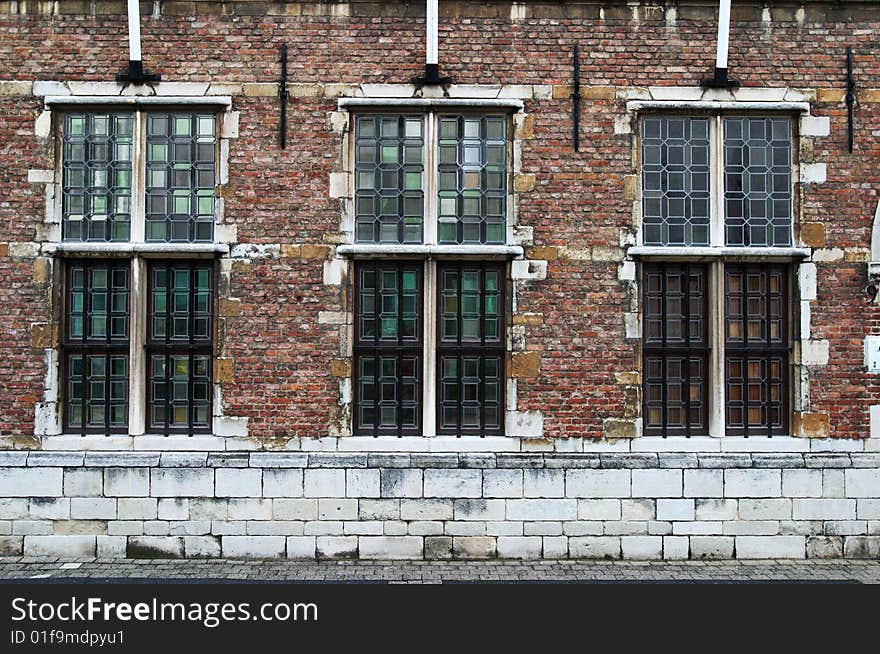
{"points": [[281, 353]]}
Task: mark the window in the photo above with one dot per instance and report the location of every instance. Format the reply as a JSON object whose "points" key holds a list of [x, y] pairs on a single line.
{"points": [[393, 172], [430, 334], [95, 344], [716, 327], [680, 203], [138, 332], [391, 387]]}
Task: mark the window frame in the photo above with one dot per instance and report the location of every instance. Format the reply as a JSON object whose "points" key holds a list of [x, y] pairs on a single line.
{"points": [[430, 163], [717, 192], [138, 253], [717, 255]]}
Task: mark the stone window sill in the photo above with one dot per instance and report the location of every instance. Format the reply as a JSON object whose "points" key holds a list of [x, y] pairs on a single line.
{"points": [[710, 253], [385, 250]]}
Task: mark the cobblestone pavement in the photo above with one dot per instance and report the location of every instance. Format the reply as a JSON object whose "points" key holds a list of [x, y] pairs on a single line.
{"points": [[445, 571]]}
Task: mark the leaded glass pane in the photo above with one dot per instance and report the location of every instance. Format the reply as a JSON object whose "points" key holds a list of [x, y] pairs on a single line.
{"points": [[472, 176], [676, 349], [675, 181], [757, 181], [389, 179], [757, 348], [470, 350], [96, 176], [180, 177], [180, 345], [388, 351], [95, 343]]}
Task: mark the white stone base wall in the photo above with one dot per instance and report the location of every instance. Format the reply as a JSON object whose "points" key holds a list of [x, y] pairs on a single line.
{"points": [[302, 505]]}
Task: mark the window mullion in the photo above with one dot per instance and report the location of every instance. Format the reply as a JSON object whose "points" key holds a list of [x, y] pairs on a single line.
{"points": [[717, 235], [431, 183], [137, 307], [138, 175], [717, 374]]}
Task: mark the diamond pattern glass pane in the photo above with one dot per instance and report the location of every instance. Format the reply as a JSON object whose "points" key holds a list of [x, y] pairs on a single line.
{"points": [[96, 176], [472, 179], [675, 181], [180, 177], [757, 181], [389, 179]]}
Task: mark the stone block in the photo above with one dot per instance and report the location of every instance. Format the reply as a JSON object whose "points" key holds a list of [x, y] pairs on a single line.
{"points": [[238, 482], [453, 483], [770, 547], [519, 547], [253, 547], [126, 482]]}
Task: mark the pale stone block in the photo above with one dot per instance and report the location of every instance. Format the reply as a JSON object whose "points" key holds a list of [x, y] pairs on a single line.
{"points": [[182, 482], [752, 483], [419, 528], [43, 125], [41, 176], [675, 548], [833, 483], [111, 547], [863, 482], [815, 125], [65, 546], [260, 547], [125, 528], [390, 547], [705, 527], [274, 528], [711, 547], [767, 509], [93, 508], [502, 483], [542, 509], [249, 509], [642, 509], [868, 510], [339, 185], [284, 482], [324, 483], [473, 547], [238, 482], [337, 509], [395, 528], [172, 508], [32, 527], [362, 482], [464, 528], [594, 547], [301, 547], [453, 483], [337, 547], [388, 509], [206, 509], [47, 87], [824, 509], [770, 547], [641, 547], [30, 482], [50, 508], [426, 509], [657, 483], [751, 528], [544, 483], [802, 483], [519, 547], [704, 483], [815, 353], [675, 509], [716, 509], [528, 269], [295, 509], [201, 547], [555, 547], [334, 272], [597, 483], [137, 508], [813, 173], [807, 281], [524, 424], [127, 482], [606, 509], [228, 528], [189, 527], [542, 528]]}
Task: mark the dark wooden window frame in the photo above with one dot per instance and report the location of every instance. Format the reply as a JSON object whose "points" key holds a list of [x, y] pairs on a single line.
{"points": [[169, 347], [375, 347], [699, 348], [86, 346], [481, 349]]}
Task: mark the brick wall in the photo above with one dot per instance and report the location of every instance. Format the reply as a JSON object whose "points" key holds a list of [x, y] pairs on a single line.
{"points": [[281, 377]]}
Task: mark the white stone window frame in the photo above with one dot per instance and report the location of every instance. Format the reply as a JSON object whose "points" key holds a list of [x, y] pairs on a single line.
{"points": [[802, 276], [516, 423], [49, 126]]}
